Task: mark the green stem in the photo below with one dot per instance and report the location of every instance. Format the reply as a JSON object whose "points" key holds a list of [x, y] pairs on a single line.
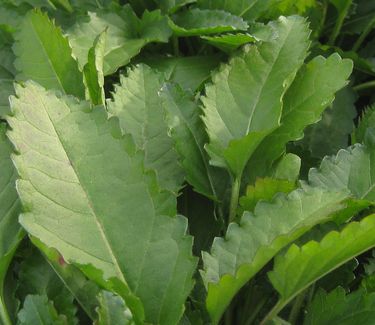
{"points": [[363, 36], [234, 198], [273, 313], [364, 86], [338, 25], [296, 308], [4, 316]]}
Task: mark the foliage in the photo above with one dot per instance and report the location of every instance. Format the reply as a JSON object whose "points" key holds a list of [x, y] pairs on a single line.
{"points": [[187, 162]]}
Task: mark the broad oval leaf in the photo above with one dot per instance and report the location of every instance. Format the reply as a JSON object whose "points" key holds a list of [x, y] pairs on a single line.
{"points": [[77, 163]]}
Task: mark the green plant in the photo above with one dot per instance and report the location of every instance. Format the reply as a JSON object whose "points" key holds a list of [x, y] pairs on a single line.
{"points": [[187, 162]]}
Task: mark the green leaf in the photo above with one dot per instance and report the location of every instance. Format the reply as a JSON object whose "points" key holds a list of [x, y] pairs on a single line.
{"points": [[362, 19], [126, 35], [311, 92], [36, 277], [113, 310], [84, 291], [173, 5], [230, 42], [37, 310], [248, 9], [264, 189], [352, 169], [190, 137], [189, 72], [7, 74], [10, 232], [288, 167], [204, 22], [301, 266], [243, 104], [44, 55], [337, 307], [366, 122], [259, 236], [77, 163], [139, 108], [332, 133], [93, 71]]}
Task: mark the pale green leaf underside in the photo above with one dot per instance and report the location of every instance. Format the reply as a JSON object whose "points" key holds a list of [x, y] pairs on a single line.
{"points": [[82, 183], [244, 103], [311, 92], [205, 22], [247, 247], [230, 42], [139, 108], [352, 169], [304, 265], [337, 307], [44, 55], [112, 310]]}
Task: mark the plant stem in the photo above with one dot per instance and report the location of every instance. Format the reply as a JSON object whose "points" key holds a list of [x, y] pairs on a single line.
{"points": [[363, 36], [296, 308], [273, 313], [366, 85], [4, 316], [338, 25], [176, 48], [234, 198]]}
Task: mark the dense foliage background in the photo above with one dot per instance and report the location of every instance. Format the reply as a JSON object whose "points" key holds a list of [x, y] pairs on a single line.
{"points": [[187, 162]]}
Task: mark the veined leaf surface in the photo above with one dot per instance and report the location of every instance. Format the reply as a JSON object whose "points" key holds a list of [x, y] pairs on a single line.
{"points": [[77, 163], [244, 103]]}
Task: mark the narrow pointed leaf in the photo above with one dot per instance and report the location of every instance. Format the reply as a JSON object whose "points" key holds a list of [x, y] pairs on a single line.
{"points": [[137, 104], [93, 71], [76, 162], [244, 104], [248, 246], [304, 265], [44, 55]]}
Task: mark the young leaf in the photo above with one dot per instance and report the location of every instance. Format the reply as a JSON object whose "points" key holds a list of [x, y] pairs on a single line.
{"points": [[126, 35], [76, 162], [44, 55], [93, 71], [264, 189], [189, 135], [304, 265], [113, 310], [332, 133], [204, 22], [247, 247], [311, 92], [10, 232], [38, 310], [137, 104], [243, 104], [337, 307], [352, 169]]}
